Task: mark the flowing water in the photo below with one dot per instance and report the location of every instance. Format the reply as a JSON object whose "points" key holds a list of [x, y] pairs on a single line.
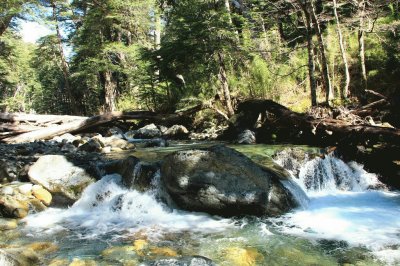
{"points": [[348, 218]]}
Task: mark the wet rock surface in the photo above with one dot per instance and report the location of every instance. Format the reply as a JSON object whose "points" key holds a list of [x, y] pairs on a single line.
{"points": [[222, 181], [185, 261], [247, 137], [18, 199], [60, 176]]}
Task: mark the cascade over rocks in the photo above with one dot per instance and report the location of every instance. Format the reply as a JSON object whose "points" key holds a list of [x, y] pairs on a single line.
{"points": [[222, 181], [135, 174], [62, 178]]}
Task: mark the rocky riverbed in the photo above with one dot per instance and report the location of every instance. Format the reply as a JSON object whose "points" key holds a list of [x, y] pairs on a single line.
{"points": [[140, 198]]}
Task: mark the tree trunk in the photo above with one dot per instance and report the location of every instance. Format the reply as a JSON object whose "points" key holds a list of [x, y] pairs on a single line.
{"points": [[64, 64], [5, 23], [361, 48], [322, 50], [345, 91], [224, 85], [110, 91], [310, 51]]}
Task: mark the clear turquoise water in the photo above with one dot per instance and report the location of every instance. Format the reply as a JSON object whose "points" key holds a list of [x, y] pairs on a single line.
{"points": [[147, 230]]}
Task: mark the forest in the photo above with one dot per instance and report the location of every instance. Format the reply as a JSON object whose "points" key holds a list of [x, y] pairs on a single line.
{"points": [[167, 55], [200, 132]]}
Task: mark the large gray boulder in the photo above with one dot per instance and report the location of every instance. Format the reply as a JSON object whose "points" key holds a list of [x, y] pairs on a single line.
{"points": [[62, 178], [222, 181]]}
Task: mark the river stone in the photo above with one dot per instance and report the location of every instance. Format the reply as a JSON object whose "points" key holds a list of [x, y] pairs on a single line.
{"points": [[8, 224], [115, 132], [93, 145], [222, 181], [18, 257], [184, 261], [14, 206], [148, 132], [42, 194], [115, 142], [60, 177], [247, 137], [177, 132], [17, 200], [8, 171]]}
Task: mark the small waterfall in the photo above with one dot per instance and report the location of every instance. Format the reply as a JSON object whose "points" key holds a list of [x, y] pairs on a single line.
{"points": [[327, 173], [346, 203], [107, 206]]}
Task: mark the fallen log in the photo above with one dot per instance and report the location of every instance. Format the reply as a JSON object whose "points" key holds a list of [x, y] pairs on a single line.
{"points": [[17, 128], [86, 123], [40, 119], [282, 124]]}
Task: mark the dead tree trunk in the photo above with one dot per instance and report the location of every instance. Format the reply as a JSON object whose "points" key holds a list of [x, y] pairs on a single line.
{"points": [[324, 61], [361, 47], [345, 91], [310, 51], [64, 64], [224, 85]]}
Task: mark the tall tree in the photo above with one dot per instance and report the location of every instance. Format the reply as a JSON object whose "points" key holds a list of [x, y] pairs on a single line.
{"points": [[61, 53], [108, 39], [345, 91], [310, 50], [322, 50]]}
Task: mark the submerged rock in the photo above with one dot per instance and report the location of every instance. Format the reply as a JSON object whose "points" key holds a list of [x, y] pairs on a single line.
{"points": [[184, 261], [18, 256], [43, 247], [222, 181], [242, 256], [156, 143], [61, 177]]}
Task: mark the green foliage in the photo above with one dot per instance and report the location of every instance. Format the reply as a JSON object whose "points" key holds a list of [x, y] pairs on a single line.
{"points": [[17, 78], [118, 63]]}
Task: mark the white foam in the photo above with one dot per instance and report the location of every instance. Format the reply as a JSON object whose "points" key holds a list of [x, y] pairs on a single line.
{"points": [[369, 219], [106, 206], [343, 207]]}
